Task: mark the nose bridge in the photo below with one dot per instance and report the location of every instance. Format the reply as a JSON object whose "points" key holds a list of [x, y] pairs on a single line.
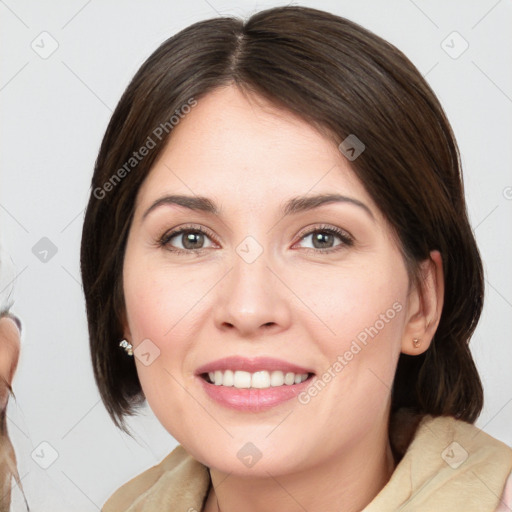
{"points": [[252, 297]]}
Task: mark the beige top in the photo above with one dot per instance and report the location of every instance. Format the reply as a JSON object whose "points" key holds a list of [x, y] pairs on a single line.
{"points": [[449, 465]]}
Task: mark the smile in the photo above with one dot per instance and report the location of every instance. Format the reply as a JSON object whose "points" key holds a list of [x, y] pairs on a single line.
{"points": [[258, 380], [252, 384]]}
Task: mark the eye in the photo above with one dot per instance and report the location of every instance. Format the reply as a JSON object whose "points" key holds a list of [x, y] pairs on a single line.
{"points": [[189, 238], [324, 238]]}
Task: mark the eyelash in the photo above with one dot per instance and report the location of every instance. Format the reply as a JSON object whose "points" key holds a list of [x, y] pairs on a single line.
{"points": [[346, 239]]}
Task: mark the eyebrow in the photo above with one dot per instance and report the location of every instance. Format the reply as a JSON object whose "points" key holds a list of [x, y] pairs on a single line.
{"points": [[292, 206]]}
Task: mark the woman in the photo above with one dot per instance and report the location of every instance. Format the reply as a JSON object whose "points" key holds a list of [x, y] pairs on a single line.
{"points": [[330, 375], [10, 333], [9, 351]]}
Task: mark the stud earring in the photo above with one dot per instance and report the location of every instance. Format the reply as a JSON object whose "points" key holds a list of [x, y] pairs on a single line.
{"points": [[127, 347], [416, 342]]}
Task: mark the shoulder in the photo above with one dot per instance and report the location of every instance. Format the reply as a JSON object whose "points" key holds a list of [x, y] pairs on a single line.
{"points": [[448, 464], [176, 480], [408, 430], [463, 457], [448, 428], [506, 498], [453, 443], [465, 439]]}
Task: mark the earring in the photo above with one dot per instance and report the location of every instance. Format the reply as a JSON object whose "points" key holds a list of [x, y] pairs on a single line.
{"points": [[127, 347], [416, 342]]}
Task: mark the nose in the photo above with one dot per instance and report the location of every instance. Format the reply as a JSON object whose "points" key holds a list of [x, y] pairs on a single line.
{"points": [[252, 299]]}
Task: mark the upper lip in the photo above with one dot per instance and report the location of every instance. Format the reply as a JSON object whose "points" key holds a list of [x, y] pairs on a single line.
{"points": [[251, 365]]}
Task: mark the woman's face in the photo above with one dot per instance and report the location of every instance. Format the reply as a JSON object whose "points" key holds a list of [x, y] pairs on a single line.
{"points": [[262, 281]]}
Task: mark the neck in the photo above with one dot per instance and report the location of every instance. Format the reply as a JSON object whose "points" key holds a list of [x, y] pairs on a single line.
{"points": [[347, 482]]}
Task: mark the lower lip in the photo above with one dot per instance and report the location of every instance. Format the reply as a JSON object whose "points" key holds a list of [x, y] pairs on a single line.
{"points": [[251, 399]]}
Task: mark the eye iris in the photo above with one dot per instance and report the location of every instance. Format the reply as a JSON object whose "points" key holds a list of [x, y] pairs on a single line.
{"points": [[195, 239], [191, 238], [323, 239]]}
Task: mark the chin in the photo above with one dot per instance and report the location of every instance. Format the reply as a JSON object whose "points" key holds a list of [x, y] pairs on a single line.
{"points": [[244, 457]]}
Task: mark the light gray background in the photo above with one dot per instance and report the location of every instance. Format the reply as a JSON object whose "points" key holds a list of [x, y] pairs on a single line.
{"points": [[54, 113]]}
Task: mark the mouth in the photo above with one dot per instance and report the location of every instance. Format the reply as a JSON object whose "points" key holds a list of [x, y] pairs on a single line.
{"points": [[252, 385], [263, 379]]}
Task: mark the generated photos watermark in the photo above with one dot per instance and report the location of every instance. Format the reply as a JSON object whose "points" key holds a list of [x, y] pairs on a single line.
{"points": [[159, 133], [357, 344]]}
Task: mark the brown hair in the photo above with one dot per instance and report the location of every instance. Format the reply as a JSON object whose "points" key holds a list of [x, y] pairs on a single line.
{"points": [[344, 80]]}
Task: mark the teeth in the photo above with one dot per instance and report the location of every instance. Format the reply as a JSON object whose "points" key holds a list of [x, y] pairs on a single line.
{"points": [[276, 379], [228, 379], [289, 379], [258, 380]]}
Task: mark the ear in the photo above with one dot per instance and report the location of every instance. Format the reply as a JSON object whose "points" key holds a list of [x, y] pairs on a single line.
{"points": [[424, 306]]}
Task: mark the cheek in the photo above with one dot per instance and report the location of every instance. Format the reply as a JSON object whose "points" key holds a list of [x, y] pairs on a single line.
{"points": [[153, 308], [159, 301], [161, 306], [147, 306], [355, 300], [362, 312]]}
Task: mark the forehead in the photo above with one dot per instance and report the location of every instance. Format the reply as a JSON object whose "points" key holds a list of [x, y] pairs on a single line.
{"points": [[243, 147]]}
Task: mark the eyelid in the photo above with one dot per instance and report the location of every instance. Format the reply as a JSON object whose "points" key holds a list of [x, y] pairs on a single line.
{"points": [[347, 240], [324, 227], [179, 230]]}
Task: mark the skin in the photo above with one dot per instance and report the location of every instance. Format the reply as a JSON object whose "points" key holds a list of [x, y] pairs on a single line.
{"points": [[9, 353], [291, 303]]}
